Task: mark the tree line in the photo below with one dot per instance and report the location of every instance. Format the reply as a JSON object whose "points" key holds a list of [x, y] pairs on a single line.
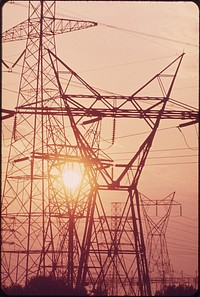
{"points": [[51, 286]]}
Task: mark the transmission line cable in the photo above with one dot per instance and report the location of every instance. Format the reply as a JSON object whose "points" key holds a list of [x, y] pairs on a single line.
{"points": [[150, 35], [143, 33], [185, 139], [166, 164], [182, 230], [163, 157], [181, 223], [153, 151], [192, 219]]}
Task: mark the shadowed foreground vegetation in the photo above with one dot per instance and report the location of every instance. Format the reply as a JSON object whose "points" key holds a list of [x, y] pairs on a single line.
{"points": [[180, 290], [47, 286]]}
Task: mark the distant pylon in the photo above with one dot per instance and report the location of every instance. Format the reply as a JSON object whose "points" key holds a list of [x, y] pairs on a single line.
{"points": [[160, 266], [116, 213], [115, 274]]}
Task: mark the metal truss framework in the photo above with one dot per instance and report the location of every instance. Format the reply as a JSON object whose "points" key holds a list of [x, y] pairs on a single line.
{"points": [[98, 259], [160, 268], [49, 229], [34, 213]]}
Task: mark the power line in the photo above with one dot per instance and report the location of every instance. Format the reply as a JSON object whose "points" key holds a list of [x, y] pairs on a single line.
{"points": [[141, 133], [177, 163], [163, 129], [107, 67], [192, 219], [75, 83], [183, 254], [143, 34], [80, 86], [181, 223], [185, 138], [150, 35], [163, 157], [16, 92], [179, 234], [125, 64], [153, 151], [184, 247], [177, 239], [182, 230], [19, 4]]}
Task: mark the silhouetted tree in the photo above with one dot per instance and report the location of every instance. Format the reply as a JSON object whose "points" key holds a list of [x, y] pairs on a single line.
{"points": [[13, 289], [41, 285], [44, 286], [51, 286], [180, 290]]}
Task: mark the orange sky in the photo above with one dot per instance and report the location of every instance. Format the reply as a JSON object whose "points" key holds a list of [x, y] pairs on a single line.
{"points": [[144, 38]]}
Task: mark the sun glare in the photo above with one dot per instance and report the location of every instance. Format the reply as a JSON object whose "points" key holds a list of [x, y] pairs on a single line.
{"points": [[72, 176]]}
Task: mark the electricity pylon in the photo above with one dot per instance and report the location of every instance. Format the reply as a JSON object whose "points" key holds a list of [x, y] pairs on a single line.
{"points": [[160, 267], [48, 226], [116, 214], [34, 208], [101, 249]]}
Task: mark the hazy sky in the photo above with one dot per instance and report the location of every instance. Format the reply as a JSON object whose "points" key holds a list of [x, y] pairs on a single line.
{"points": [[132, 42]]}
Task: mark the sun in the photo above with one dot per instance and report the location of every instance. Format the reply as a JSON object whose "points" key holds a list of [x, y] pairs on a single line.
{"points": [[72, 176]]}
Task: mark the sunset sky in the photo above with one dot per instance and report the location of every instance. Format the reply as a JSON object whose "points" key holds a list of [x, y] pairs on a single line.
{"points": [[132, 42]]}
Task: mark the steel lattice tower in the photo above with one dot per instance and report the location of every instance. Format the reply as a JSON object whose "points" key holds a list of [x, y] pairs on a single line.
{"points": [[160, 267], [35, 239], [48, 227], [101, 249], [116, 214]]}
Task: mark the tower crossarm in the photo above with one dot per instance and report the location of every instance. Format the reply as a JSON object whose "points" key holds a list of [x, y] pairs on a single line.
{"points": [[105, 112], [184, 114], [53, 26], [180, 111]]}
